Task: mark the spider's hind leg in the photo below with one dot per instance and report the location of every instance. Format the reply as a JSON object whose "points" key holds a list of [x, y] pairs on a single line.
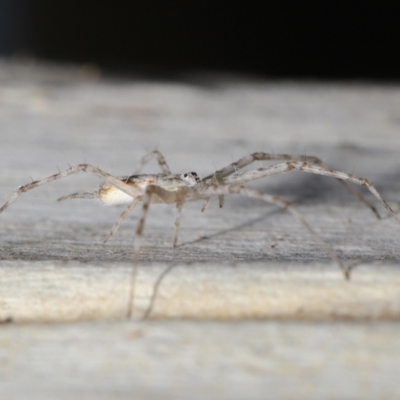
{"points": [[122, 186]]}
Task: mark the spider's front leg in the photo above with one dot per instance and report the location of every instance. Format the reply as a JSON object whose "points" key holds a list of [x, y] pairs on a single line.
{"points": [[258, 156], [218, 177], [233, 168], [241, 178]]}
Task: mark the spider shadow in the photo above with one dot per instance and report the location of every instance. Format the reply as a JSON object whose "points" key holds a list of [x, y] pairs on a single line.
{"points": [[302, 188], [242, 225], [168, 270], [170, 267], [156, 286]]}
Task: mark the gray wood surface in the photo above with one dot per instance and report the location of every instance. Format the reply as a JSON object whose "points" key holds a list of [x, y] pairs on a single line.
{"points": [[285, 324]]}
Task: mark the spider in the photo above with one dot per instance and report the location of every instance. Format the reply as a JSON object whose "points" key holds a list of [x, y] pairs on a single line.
{"points": [[178, 189]]}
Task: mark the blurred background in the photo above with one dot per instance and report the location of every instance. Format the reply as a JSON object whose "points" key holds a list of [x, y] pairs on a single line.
{"points": [[285, 39]]}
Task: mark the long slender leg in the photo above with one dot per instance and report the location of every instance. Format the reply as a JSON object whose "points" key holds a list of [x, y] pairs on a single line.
{"points": [[244, 161], [241, 178], [130, 190], [95, 195], [168, 198], [160, 159], [221, 201], [123, 215], [219, 175], [258, 156], [81, 195], [236, 189], [205, 204], [179, 206]]}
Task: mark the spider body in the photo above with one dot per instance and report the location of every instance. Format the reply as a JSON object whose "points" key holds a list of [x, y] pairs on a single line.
{"points": [[109, 194], [188, 187]]}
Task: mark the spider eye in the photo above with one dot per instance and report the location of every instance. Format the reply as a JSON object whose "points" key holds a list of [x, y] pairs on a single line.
{"points": [[185, 175], [194, 173]]}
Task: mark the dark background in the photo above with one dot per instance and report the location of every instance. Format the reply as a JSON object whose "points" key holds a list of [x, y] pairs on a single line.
{"points": [[276, 39]]}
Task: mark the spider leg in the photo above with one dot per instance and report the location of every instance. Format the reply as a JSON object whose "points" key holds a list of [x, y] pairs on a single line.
{"points": [[205, 204], [160, 159], [258, 156], [168, 197], [219, 175], [207, 201], [131, 191], [179, 205], [244, 191], [310, 168], [123, 215], [320, 170], [81, 195]]}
